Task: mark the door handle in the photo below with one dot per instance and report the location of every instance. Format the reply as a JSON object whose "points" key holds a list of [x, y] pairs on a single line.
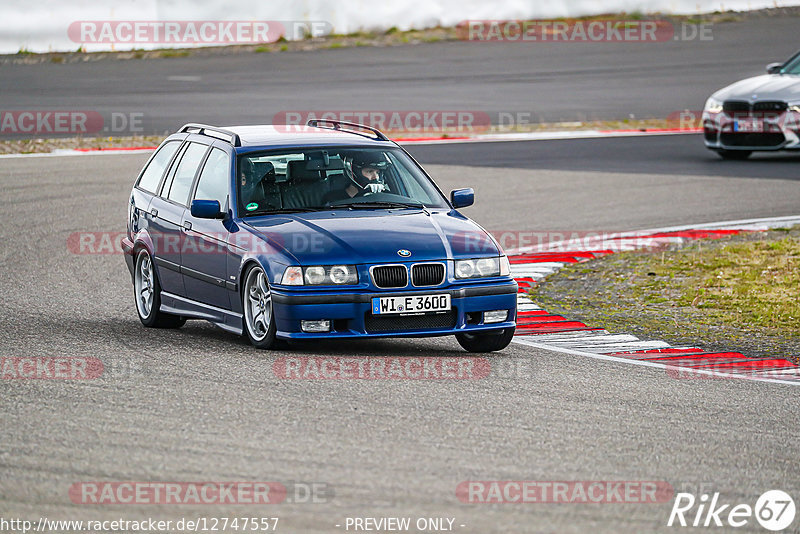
{"points": [[154, 212], [187, 225]]}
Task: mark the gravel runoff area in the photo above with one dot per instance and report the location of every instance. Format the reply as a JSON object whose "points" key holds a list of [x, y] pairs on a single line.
{"points": [[739, 293]]}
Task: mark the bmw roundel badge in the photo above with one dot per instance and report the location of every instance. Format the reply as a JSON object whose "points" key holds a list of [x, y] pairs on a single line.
{"points": [[404, 253]]}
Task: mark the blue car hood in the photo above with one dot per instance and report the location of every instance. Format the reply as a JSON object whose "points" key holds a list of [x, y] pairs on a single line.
{"points": [[362, 236]]}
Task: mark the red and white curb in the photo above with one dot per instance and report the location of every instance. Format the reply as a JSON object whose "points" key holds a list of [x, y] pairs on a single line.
{"points": [[538, 328]]}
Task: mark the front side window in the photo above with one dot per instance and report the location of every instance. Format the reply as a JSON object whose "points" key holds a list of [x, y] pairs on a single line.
{"points": [[151, 176], [341, 177], [213, 182], [184, 175], [793, 67]]}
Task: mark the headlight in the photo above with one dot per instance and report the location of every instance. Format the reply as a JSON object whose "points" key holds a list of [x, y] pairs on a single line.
{"points": [[342, 274], [315, 275], [713, 105], [479, 268], [320, 275], [795, 108]]}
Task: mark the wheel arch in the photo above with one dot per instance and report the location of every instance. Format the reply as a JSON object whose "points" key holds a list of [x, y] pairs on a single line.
{"points": [[142, 240]]}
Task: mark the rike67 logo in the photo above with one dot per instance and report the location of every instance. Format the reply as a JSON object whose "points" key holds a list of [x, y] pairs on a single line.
{"points": [[774, 510]]}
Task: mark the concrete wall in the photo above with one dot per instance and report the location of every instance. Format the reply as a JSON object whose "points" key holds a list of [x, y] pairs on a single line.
{"points": [[43, 25]]}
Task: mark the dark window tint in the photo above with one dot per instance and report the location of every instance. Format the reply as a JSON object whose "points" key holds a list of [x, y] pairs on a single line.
{"points": [[184, 175], [155, 169], [213, 182]]}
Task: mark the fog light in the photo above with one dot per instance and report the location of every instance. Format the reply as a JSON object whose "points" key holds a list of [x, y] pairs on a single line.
{"points": [[495, 316], [316, 326]]}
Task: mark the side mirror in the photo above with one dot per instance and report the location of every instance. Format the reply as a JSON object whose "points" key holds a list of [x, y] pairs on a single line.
{"points": [[774, 68], [206, 209], [461, 198]]}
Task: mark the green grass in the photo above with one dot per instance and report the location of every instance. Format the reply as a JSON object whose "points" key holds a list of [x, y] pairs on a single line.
{"points": [[737, 293], [753, 283], [173, 53]]}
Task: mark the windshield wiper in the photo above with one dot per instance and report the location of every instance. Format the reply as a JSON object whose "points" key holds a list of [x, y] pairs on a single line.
{"points": [[378, 204], [267, 211]]}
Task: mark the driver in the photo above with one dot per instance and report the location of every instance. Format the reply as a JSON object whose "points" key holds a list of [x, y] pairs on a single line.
{"points": [[366, 178], [250, 186]]}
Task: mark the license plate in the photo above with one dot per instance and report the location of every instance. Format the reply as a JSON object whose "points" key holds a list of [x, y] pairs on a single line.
{"points": [[748, 125], [410, 304]]}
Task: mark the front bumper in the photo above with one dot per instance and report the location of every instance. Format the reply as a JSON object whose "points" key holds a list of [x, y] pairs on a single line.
{"points": [[351, 313], [780, 132]]}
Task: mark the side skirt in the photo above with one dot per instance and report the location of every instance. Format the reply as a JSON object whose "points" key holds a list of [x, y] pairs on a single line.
{"points": [[225, 319]]}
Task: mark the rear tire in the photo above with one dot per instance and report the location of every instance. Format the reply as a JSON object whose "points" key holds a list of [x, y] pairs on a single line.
{"points": [[734, 154], [258, 317], [486, 341], [147, 293]]}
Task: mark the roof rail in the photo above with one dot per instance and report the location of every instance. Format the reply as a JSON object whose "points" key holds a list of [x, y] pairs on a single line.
{"points": [[210, 131], [337, 125]]}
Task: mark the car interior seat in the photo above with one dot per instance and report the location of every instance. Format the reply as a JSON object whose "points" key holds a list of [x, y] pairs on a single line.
{"points": [[303, 187]]}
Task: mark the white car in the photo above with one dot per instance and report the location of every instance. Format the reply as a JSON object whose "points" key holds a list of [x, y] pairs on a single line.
{"points": [[756, 114]]}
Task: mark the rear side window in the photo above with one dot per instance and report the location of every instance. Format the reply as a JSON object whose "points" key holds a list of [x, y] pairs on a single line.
{"points": [[184, 175], [213, 182], [155, 169]]}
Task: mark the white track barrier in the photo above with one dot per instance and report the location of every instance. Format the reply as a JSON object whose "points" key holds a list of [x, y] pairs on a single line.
{"points": [[42, 25]]}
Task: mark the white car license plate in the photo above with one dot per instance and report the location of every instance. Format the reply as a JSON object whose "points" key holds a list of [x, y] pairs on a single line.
{"points": [[410, 304], [748, 125]]}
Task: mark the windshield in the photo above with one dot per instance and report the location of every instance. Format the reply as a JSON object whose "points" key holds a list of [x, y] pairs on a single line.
{"points": [[350, 178], [793, 66]]}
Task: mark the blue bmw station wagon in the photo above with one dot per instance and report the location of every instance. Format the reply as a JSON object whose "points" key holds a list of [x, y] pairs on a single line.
{"points": [[328, 231]]}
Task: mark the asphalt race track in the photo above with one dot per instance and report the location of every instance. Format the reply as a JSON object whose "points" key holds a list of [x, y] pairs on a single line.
{"points": [[549, 81], [612, 184], [200, 404]]}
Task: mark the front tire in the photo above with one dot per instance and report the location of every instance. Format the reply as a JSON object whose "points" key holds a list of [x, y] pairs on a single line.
{"points": [[486, 341], [259, 319], [734, 154], [147, 292]]}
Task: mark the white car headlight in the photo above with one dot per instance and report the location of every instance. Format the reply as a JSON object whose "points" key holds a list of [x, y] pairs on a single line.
{"points": [[713, 105], [479, 267], [315, 275], [343, 274], [795, 108], [320, 275]]}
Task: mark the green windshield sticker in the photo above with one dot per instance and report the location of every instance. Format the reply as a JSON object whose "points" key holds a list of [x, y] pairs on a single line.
{"points": [[251, 206]]}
